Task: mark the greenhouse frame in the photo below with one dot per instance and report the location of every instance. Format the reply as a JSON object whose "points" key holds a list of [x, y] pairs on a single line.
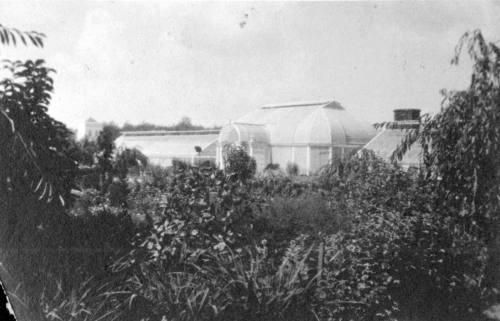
{"points": [[308, 135]]}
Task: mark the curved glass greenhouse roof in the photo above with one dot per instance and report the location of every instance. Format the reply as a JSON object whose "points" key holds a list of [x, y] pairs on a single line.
{"points": [[324, 123]]}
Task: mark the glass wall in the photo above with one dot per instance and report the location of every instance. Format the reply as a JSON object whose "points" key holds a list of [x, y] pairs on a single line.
{"points": [[281, 155], [320, 156], [300, 158]]}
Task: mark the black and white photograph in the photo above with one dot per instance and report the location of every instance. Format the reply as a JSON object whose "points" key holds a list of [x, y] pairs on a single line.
{"points": [[249, 161]]}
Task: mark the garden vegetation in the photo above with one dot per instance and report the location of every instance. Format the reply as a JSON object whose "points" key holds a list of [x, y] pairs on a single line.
{"points": [[364, 240]]}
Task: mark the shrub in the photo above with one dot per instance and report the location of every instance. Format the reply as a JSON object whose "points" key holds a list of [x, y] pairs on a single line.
{"points": [[179, 164], [201, 209], [117, 192], [442, 271], [48, 258], [207, 163], [272, 167], [238, 163], [157, 176], [392, 267], [400, 252], [271, 186], [366, 179], [292, 169], [272, 170], [146, 202], [129, 161], [365, 244], [284, 218]]}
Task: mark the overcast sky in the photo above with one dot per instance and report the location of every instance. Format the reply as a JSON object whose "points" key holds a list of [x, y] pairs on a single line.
{"points": [[156, 62]]}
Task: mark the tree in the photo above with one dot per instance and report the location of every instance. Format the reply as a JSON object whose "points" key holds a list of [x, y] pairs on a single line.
{"points": [[87, 151], [461, 148], [106, 147], [237, 162], [12, 36], [114, 130], [36, 149], [184, 124], [38, 144], [127, 159]]}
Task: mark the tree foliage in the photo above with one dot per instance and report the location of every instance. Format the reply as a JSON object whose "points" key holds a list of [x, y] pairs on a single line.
{"points": [[184, 124], [461, 148], [13, 36], [38, 144], [238, 162], [461, 144]]}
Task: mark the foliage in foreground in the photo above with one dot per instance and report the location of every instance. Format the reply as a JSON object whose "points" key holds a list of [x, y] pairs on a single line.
{"points": [[392, 259], [213, 248], [461, 148]]}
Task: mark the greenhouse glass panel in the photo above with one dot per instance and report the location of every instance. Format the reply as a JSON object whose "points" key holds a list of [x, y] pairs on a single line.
{"points": [[300, 158], [319, 157], [281, 156]]}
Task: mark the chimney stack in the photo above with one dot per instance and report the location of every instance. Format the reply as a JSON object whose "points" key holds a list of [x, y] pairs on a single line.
{"points": [[406, 118], [406, 115]]}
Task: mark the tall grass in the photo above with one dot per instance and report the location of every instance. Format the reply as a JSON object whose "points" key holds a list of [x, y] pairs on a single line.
{"points": [[225, 285]]}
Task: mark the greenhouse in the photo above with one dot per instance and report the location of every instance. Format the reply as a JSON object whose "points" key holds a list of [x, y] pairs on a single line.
{"points": [[307, 135], [390, 137], [161, 147]]}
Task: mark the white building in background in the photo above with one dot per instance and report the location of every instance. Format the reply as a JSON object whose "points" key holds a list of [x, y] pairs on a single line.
{"points": [[161, 147], [92, 129], [306, 134]]}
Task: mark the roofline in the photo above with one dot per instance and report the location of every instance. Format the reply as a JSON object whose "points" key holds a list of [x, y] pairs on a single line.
{"points": [[366, 146], [247, 124], [297, 104], [170, 132]]}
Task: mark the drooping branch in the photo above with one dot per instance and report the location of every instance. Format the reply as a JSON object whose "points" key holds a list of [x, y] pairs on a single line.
{"points": [[14, 36]]}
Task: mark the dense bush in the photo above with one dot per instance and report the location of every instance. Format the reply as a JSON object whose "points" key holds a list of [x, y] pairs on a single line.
{"points": [[363, 243], [272, 167], [48, 255], [272, 186], [156, 176], [292, 169], [286, 217], [201, 209], [369, 248], [389, 266], [272, 170], [129, 162], [206, 258], [401, 255], [238, 163]]}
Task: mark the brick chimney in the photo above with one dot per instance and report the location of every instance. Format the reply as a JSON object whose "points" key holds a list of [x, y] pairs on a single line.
{"points": [[406, 118], [406, 115]]}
